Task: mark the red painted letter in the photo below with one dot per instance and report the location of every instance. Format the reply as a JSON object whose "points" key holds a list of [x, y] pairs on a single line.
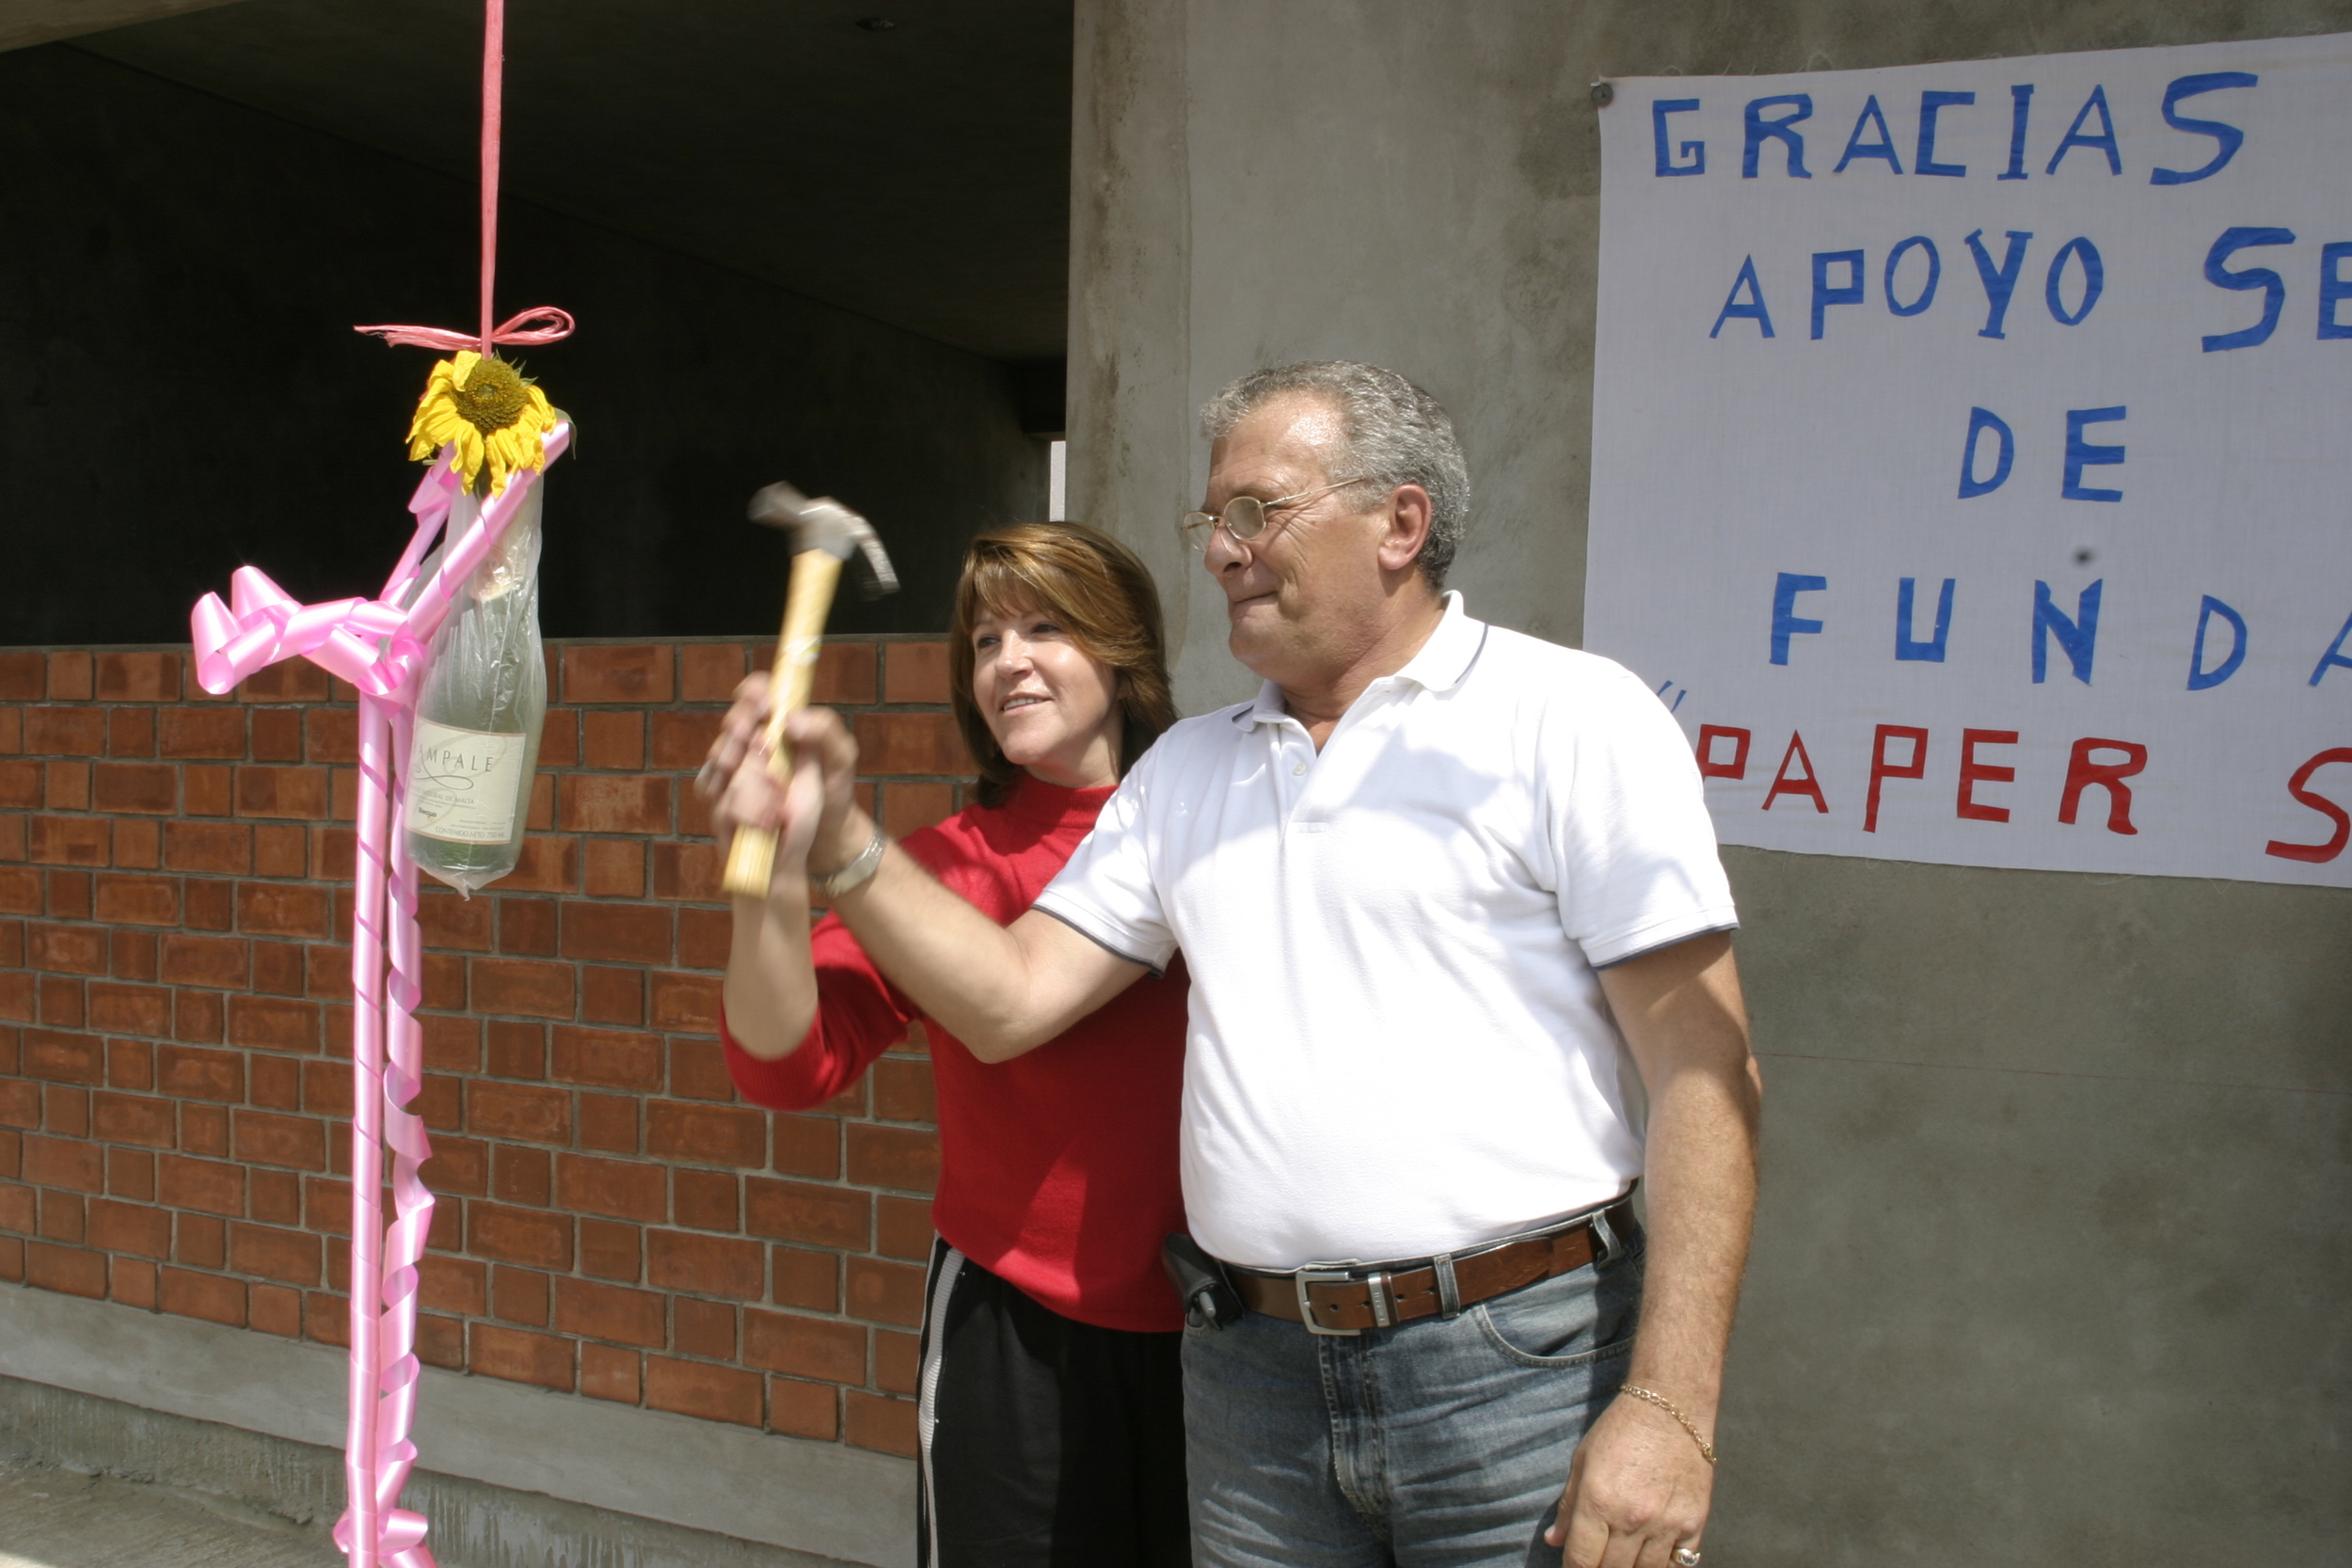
{"points": [[2318, 854], [1972, 772], [1882, 769], [1708, 767], [1784, 782], [2082, 772]]}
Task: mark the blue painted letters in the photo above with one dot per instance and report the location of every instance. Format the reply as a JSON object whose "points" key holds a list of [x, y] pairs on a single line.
{"points": [[1882, 148], [2229, 136], [1908, 648], [2334, 287], [2201, 678], [2105, 141], [2334, 655], [2078, 637], [2081, 454], [2000, 282], [1751, 308], [2020, 109], [1787, 623], [1931, 104], [2094, 282], [1980, 421], [1847, 293], [1694, 151], [1760, 129], [1935, 274], [2273, 287]]}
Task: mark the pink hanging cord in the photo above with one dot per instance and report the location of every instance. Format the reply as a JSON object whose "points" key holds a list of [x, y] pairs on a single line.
{"points": [[541, 324], [493, 126]]}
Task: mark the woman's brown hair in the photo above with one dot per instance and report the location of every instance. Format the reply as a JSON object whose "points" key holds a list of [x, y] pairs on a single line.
{"points": [[1094, 588]]}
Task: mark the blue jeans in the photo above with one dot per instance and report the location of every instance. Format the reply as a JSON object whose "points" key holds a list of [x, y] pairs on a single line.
{"points": [[1438, 1444]]}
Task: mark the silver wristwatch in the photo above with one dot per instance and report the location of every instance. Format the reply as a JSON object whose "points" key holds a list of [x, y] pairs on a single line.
{"points": [[857, 873]]}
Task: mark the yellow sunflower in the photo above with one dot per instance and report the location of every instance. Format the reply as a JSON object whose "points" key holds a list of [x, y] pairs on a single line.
{"points": [[489, 412]]}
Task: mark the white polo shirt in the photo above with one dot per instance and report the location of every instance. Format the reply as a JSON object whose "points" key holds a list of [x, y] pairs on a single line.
{"points": [[1398, 1044]]}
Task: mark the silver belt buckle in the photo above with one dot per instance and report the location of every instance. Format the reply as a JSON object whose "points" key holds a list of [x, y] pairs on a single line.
{"points": [[1326, 1276], [1343, 1274]]}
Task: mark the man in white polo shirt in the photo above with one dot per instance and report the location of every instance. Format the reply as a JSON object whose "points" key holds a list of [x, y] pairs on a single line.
{"points": [[1457, 928]]}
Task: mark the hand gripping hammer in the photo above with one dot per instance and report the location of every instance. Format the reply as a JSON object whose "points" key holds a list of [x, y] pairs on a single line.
{"points": [[824, 534]]}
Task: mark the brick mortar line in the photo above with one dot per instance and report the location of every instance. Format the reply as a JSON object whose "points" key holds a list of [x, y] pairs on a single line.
{"points": [[880, 1341]]}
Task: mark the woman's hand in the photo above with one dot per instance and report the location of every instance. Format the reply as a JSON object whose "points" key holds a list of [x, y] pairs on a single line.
{"points": [[838, 831], [815, 804], [733, 797]]}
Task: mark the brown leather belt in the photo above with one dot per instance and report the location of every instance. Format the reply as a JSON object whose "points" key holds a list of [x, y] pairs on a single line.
{"points": [[1352, 1298]]}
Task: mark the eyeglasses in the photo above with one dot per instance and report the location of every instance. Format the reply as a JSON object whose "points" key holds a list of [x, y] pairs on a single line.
{"points": [[1245, 517]]}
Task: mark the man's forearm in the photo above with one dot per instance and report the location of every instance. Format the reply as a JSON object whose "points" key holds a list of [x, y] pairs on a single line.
{"points": [[1700, 1189], [1683, 1016], [979, 980]]}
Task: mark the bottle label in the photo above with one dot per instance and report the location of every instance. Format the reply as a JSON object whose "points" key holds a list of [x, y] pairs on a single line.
{"points": [[464, 786]]}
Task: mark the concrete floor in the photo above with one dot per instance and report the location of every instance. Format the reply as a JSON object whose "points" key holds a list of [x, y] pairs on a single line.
{"points": [[58, 1518]]}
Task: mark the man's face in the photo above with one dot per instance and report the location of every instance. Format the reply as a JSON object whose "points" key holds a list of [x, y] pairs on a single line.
{"points": [[1304, 597]]}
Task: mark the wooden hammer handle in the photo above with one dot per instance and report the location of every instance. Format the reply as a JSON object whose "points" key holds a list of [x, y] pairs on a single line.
{"points": [[752, 858]]}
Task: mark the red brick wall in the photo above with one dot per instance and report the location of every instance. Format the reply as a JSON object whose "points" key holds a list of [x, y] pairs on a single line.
{"points": [[175, 1037]]}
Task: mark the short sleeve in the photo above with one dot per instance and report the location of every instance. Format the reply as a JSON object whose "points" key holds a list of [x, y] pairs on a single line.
{"points": [[1637, 862], [1107, 892]]}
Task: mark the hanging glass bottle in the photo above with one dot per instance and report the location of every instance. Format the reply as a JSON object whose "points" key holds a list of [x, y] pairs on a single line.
{"points": [[479, 715]]}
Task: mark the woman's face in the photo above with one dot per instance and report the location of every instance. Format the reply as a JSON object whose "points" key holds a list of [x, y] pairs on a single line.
{"points": [[1050, 704]]}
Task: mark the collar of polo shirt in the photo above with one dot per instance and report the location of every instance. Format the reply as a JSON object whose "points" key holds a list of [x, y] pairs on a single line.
{"points": [[1440, 665]]}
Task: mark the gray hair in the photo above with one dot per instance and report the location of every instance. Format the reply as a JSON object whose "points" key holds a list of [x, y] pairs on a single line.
{"points": [[1393, 434]]}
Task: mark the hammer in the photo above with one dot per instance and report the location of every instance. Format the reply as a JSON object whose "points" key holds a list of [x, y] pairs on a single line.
{"points": [[824, 534]]}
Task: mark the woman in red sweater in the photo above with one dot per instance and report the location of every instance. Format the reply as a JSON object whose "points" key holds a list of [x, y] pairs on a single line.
{"points": [[1051, 1418]]}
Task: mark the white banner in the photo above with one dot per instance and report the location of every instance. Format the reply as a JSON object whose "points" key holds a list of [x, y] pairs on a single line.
{"points": [[1972, 453]]}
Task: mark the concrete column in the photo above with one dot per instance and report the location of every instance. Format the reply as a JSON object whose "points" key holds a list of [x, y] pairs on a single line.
{"points": [[1130, 248]]}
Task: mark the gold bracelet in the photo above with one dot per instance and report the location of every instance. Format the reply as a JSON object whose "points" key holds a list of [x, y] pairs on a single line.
{"points": [[1666, 1404]]}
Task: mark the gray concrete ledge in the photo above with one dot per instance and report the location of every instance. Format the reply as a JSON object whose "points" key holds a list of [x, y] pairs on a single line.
{"points": [[518, 1477]]}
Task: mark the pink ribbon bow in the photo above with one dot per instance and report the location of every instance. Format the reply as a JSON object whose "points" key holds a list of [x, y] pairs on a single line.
{"points": [[515, 329]]}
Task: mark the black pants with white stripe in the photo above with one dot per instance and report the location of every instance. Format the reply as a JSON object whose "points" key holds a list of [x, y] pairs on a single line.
{"points": [[1046, 1443]]}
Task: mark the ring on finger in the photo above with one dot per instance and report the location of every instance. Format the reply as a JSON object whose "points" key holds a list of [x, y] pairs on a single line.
{"points": [[1686, 1557]]}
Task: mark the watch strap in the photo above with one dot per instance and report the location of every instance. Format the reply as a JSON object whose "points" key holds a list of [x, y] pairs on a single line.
{"points": [[857, 873]]}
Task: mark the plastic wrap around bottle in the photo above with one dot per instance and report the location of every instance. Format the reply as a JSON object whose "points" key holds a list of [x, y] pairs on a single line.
{"points": [[480, 713]]}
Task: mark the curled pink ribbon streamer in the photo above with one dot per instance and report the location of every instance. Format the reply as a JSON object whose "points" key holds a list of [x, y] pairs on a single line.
{"points": [[382, 647]]}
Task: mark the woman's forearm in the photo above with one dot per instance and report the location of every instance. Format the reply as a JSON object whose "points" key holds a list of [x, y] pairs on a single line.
{"points": [[771, 987]]}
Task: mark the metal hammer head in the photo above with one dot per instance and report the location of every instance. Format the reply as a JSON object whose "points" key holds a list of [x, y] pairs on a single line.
{"points": [[825, 524]]}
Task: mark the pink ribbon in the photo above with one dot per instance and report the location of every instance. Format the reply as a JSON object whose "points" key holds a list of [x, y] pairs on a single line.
{"points": [[375, 644], [262, 624], [515, 329], [382, 646]]}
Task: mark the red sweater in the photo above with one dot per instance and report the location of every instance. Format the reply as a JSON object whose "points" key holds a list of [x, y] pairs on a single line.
{"points": [[1057, 1169]]}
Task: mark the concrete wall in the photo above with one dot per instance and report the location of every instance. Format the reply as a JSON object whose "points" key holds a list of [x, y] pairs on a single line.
{"points": [[183, 391], [2052, 1256]]}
